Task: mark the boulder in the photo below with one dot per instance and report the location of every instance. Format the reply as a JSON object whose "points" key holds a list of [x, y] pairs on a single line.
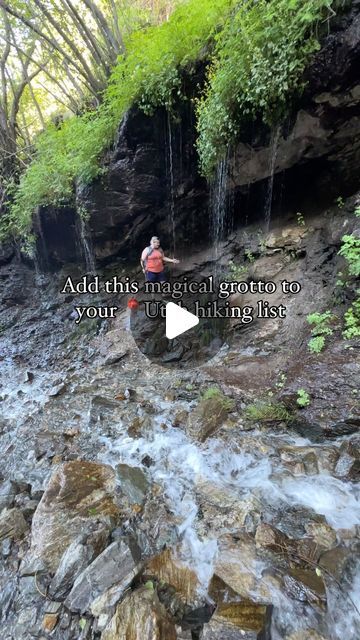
{"points": [[12, 524], [237, 564], [236, 620], [167, 569], [133, 483], [306, 634], [322, 534], [303, 550], [140, 617], [74, 560], [269, 537], [8, 491], [335, 562], [208, 416], [78, 500], [305, 585], [113, 566]]}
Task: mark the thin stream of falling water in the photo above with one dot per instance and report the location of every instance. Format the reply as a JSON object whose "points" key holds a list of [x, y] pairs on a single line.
{"points": [[274, 143], [172, 183], [218, 202], [86, 245]]}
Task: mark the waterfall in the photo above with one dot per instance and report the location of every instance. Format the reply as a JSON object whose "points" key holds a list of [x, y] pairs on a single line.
{"points": [[44, 252], [274, 143], [86, 244], [171, 183], [122, 129], [218, 204]]}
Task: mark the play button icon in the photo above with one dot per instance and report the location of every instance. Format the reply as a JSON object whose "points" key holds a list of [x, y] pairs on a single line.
{"points": [[178, 320]]}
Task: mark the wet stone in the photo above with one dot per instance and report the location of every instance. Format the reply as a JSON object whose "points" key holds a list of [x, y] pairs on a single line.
{"points": [[167, 569], [75, 559], [49, 444], [269, 537], [236, 565], [305, 634], [236, 615], [335, 561], [8, 491], [239, 620], [305, 585], [140, 615], [207, 417], [133, 483], [344, 465], [12, 524], [322, 533], [114, 566], [50, 621], [78, 500]]}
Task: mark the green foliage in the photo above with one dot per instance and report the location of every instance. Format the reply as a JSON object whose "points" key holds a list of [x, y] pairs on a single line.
{"points": [[350, 250], [280, 384], [316, 344], [268, 412], [340, 202], [321, 328], [149, 585], [357, 212], [258, 48], [249, 256], [236, 272], [303, 398], [216, 393], [352, 321], [260, 57], [149, 75], [300, 219]]}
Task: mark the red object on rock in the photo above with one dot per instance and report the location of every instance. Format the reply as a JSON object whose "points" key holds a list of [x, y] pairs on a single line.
{"points": [[132, 303]]}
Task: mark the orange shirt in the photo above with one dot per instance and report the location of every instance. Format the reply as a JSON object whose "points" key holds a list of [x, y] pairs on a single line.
{"points": [[154, 262]]}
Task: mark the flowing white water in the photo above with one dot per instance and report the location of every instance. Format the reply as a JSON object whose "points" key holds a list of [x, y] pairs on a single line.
{"points": [[343, 618], [338, 501], [86, 245], [183, 467], [179, 466], [274, 144], [218, 205]]}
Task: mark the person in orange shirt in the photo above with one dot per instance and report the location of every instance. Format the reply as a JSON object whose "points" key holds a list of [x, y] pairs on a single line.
{"points": [[152, 261]]}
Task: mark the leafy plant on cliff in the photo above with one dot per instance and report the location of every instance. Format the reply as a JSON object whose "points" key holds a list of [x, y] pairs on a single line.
{"points": [[352, 321], [303, 398], [321, 323], [350, 250], [259, 60]]}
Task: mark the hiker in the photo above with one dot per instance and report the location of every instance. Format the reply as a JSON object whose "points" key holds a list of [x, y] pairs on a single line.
{"points": [[152, 261]]}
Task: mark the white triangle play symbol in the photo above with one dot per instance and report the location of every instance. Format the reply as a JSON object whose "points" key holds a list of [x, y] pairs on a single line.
{"points": [[178, 320]]}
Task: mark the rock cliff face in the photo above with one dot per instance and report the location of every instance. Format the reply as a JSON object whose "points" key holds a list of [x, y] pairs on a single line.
{"points": [[152, 184]]}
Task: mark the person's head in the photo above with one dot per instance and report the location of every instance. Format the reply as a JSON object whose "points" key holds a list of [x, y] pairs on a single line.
{"points": [[155, 242]]}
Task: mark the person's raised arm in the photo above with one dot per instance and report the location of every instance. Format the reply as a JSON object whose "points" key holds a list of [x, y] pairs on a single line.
{"points": [[173, 260]]}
